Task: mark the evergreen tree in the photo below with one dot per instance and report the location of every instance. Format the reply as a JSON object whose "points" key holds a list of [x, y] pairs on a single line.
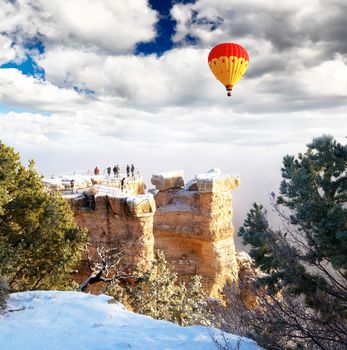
{"points": [[155, 294], [189, 304], [308, 255], [159, 294], [39, 240]]}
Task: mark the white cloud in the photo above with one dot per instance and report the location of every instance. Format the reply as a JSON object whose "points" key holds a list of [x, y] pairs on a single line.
{"points": [[7, 53], [193, 139], [290, 28], [237, 19], [329, 77], [88, 45], [109, 25], [19, 90], [178, 77], [181, 77]]}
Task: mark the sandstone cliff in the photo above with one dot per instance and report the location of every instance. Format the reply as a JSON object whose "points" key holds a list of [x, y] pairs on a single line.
{"points": [[193, 226], [117, 221]]}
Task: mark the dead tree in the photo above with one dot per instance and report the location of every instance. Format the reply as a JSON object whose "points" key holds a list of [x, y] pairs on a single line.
{"points": [[106, 268]]}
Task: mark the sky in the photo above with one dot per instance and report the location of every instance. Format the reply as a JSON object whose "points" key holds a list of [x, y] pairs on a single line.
{"points": [[86, 82]]}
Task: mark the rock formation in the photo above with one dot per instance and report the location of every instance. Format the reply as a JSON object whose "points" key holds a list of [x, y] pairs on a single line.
{"points": [[115, 221], [166, 181], [191, 224], [193, 227]]}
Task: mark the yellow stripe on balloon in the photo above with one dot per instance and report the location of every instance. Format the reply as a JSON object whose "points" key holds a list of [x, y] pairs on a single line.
{"points": [[228, 70]]}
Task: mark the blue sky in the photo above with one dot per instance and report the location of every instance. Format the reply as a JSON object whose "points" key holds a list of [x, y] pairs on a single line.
{"points": [[85, 83], [165, 28]]}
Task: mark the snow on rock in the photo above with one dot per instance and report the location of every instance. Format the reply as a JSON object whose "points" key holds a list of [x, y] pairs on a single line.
{"points": [[141, 204], [63, 182], [56, 320], [54, 184], [166, 181], [215, 181]]}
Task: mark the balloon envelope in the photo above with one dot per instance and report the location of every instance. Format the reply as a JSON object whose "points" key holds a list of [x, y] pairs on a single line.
{"points": [[228, 62]]}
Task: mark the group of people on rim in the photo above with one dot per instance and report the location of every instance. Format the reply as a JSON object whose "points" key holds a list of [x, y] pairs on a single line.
{"points": [[116, 174], [116, 170]]}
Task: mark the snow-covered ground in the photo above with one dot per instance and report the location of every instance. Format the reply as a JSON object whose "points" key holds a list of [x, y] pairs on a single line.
{"points": [[103, 184], [71, 320], [60, 182]]}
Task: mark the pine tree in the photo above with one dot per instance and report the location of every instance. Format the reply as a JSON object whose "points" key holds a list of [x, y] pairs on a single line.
{"points": [[307, 257], [39, 240], [189, 304], [313, 195]]}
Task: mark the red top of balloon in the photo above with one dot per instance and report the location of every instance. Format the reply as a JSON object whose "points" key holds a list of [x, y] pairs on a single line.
{"points": [[228, 49]]}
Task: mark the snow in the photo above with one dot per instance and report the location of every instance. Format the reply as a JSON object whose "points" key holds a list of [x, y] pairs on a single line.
{"points": [[169, 174], [102, 184], [104, 190], [65, 180], [189, 184], [54, 320], [214, 174], [53, 181]]}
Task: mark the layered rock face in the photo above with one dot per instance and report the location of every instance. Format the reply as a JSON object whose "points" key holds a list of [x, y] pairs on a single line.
{"points": [[193, 227], [122, 222], [191, 224]]}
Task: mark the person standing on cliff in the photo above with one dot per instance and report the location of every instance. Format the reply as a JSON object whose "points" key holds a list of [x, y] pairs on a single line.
{"points": [[72, 185], [128, 170], [132, 170], [96, 171], [109, 171], [115, 171], [122, 184]]}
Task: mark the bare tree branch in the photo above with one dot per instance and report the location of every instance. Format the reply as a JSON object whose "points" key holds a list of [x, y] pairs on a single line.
{"points": [[106, 268]]}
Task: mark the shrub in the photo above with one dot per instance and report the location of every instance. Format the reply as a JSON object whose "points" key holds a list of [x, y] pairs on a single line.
{"points": [[160, 295], [3, 293]]}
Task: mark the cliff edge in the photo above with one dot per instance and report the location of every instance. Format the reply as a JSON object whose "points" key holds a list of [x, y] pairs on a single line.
{"points": [[191, 223]]}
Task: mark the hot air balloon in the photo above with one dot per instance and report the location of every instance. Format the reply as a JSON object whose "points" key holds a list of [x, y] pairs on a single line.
{"points": [[228, 62]]}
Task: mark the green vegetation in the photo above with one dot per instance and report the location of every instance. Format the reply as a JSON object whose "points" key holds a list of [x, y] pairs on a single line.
{"points": [[3, 293], [39, 240], [302, 298], [160, 295], [300, 257]]}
